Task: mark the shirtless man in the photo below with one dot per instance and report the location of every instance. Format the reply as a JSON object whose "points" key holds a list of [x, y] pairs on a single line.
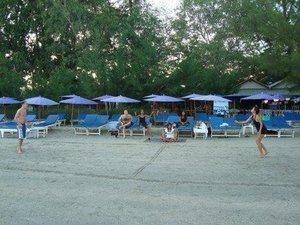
{"points": [[20, 118], [125, 121]]}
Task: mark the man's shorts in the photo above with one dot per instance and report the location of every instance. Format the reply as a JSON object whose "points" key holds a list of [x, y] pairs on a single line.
{"points": [[21, 131]]}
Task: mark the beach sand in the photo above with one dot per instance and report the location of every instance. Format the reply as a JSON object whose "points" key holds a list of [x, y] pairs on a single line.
{"points": [[68, 179]]}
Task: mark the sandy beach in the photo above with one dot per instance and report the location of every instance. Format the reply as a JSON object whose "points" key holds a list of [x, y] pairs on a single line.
{"points": [[68, 179]]}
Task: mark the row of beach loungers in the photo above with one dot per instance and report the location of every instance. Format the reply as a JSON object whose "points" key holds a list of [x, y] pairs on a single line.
{"points": [[36, 129], [88, 124]]}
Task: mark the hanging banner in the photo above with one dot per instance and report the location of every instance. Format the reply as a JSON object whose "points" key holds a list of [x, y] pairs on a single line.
{"points": [[221, 108]]}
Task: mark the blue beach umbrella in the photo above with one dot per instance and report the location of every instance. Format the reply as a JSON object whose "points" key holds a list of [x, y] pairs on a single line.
{"points": [[259, 96], [191, 96], [68, 96], [103, 97], [100, 98], [150, 96], [163, 98], [121, 99], [41, 101], [214, 98], [8, 101], [77, 100]]}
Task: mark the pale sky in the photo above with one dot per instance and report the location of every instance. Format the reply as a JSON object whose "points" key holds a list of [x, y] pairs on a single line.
{"points": [[168, 6]]}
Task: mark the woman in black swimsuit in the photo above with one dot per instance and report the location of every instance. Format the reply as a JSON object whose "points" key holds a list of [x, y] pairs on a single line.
{"points": [[142, 117], [183, 119], [261, 130]]}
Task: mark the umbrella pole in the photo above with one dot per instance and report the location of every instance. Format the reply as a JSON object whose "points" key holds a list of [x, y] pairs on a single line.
{"points": [[106, 108], [39, 112], [72, 111]]}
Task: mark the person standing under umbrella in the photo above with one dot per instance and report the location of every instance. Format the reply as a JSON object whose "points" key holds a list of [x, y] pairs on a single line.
{"points": [[261, 130], [20, 118]]}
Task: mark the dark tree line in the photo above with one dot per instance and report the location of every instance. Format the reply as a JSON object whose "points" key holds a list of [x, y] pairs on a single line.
{"points": [[95, 47]]}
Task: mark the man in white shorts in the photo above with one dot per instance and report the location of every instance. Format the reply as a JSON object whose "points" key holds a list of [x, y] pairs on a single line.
{"points": [[20, 118]]}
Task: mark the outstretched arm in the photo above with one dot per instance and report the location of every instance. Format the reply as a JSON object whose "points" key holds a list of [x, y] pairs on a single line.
{"points": [[243, 122]]}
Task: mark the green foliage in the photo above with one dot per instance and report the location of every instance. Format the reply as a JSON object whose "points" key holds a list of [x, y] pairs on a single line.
{"points": [[10, 80], [92, 47], [192, 77], [259, 38]]}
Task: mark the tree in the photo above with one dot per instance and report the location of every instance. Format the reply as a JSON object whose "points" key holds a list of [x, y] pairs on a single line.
{"points": [[126, 51], [259, 38]]}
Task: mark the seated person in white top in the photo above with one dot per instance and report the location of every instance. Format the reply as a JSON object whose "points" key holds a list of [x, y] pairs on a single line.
{"points": [[169, 134]]}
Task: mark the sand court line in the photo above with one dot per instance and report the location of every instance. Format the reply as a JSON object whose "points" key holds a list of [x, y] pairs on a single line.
{"points": [[155, 156], [173, 182]]}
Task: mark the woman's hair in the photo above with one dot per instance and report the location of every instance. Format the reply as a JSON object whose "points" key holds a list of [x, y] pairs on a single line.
{"points": [[169, 125], [256, 109]]}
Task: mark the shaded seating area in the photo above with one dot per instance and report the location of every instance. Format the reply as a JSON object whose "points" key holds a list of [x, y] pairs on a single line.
{"points": [[92, 124], [115, 117], [31, 118], [279, 127], [134, 129], [42, 127], [224, 127], [173, 119], [232, 129], [79, 120], [2, 117], [201, 116], [292, 118], [62, 119], [187, 129], [10, 128], [89, 120], [200, 129], [217, 127], [163, 117]]}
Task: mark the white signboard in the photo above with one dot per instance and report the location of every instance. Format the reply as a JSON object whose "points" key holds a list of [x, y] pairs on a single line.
{"points": [[221, 108]]}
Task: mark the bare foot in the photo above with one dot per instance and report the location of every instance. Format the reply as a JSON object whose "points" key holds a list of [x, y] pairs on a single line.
{"points": [[19, 151]]}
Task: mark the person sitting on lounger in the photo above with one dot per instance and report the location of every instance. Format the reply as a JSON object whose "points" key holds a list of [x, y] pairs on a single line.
{"points": [[142, 119], [183, 119], [125, 120], [169, 134]]}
